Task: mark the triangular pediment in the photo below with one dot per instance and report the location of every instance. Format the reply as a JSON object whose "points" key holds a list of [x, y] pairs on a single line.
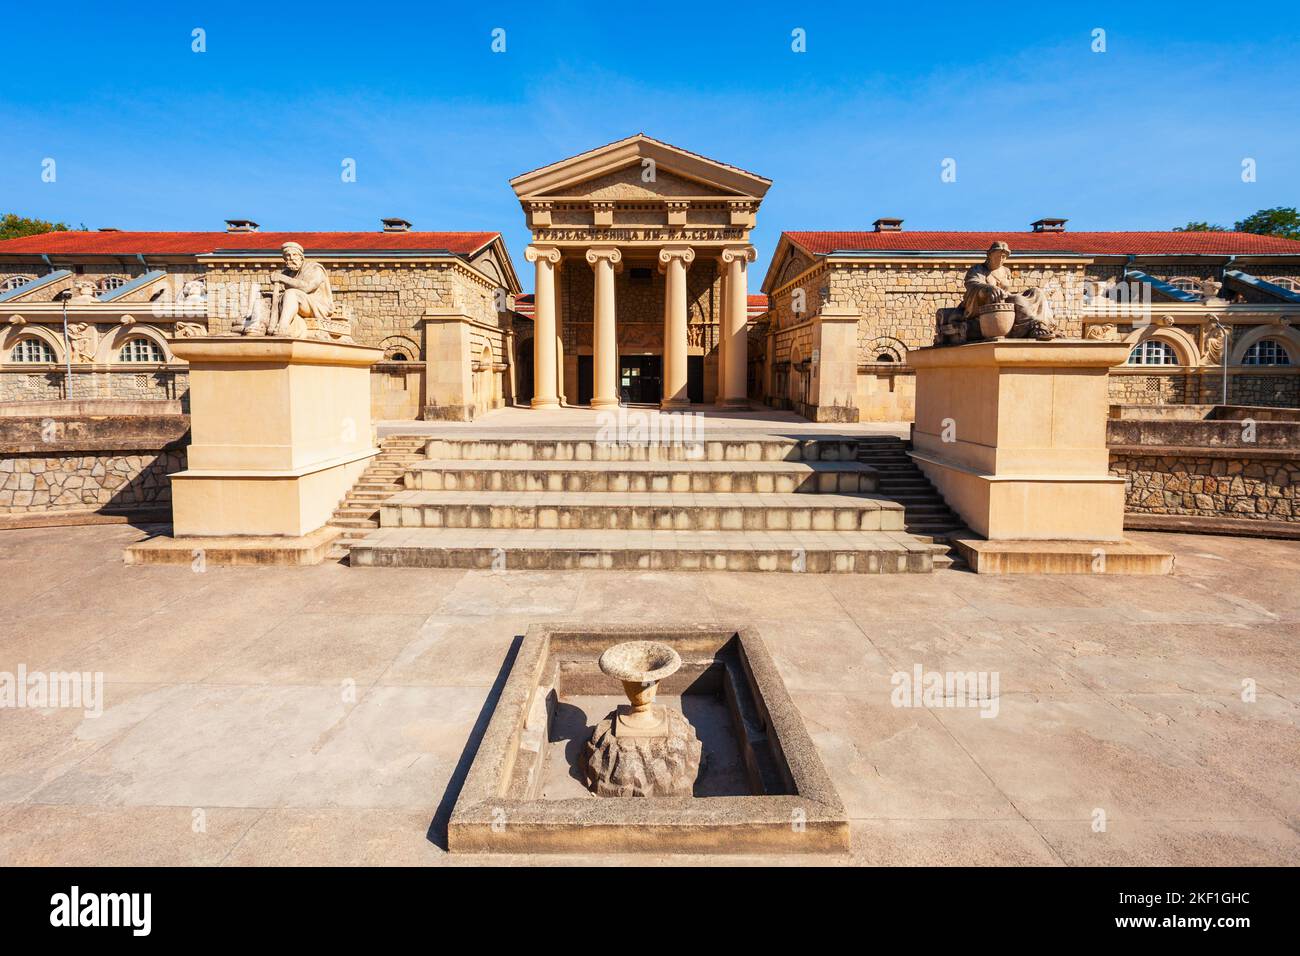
{"points": [[635, 182], [616, 171]]}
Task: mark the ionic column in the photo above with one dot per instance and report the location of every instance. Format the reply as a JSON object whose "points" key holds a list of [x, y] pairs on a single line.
{"points": [[560, 281], [673, 261], [605, 261], [725, 304], [736, 314], [544, 394]]}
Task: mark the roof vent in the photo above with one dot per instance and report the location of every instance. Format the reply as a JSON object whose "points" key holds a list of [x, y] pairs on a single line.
{"points": [[1050, 225], [888, 225], [108, 229], [396, 225], [241, 225]]}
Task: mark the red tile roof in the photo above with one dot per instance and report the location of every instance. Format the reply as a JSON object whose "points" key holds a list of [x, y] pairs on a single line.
{"points": [[1086, 243], [195, 243]]}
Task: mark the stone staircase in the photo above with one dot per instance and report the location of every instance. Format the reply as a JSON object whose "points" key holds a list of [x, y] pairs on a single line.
{"points": [[925, 514], [358, 514], [760, 504]]}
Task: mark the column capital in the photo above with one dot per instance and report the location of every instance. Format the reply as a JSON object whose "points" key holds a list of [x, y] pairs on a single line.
{"points": [[743, 253], [669, 253], [549, 253], [596, 254]]}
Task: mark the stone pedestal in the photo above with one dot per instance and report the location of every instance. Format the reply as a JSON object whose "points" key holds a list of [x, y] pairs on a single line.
{"points": [[1012, 432], [626, 760], [835, 367], [280, 431]]}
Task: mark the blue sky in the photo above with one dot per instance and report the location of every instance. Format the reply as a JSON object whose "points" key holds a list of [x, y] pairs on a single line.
{"points": [[1147, 135]]}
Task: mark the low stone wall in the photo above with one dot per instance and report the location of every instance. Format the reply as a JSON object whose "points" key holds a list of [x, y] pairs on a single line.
{"points": [[83, 461], [396, 391], [1278, 387], [1228, 473]]}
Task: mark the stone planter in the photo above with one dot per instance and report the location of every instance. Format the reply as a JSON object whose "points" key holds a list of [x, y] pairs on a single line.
{"points": [[996, 320]]}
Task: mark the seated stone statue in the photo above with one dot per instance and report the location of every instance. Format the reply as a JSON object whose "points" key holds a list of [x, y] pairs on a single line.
{"points": [[990, 284], [300, 292]]}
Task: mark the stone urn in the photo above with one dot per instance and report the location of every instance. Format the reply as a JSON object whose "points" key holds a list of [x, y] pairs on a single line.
{"points": [[640, 749], [996, 319]]}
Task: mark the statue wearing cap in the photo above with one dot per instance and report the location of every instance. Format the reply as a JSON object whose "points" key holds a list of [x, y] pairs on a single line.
{"points": [[989, 285], [300, 291]]}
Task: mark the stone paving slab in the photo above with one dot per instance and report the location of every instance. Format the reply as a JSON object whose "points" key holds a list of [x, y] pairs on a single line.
{"points": [[1124, 696]]}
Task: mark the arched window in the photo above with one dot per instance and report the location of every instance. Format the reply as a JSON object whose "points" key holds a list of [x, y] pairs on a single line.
{"points": [[1266, 352], [109, 283], [1286, 282], [140, 349], [1153, 352], [1186, 284], [13, 282], [31, 349]]}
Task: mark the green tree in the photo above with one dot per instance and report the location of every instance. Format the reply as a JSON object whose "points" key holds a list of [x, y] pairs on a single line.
{"points": [[1200, 227], [12, 226], [1281, 221]]}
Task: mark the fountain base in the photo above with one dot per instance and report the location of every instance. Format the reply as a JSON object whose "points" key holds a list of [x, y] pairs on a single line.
{"points": [[627, 760]]}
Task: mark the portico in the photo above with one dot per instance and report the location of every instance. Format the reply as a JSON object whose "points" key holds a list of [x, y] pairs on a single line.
{"points": [[642, 255]]}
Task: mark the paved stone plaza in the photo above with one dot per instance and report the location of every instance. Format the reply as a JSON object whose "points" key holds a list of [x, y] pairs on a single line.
{"points": [[328, 715]]}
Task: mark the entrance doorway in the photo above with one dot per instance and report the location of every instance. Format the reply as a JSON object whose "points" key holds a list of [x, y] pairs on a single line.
{"points": [[695, 378], [585, 379], [640, 379]]}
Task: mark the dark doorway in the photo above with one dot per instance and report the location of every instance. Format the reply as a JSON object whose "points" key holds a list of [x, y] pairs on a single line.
{"points": [[524, 372], [695, 378], [586, 379], [640, 379]]}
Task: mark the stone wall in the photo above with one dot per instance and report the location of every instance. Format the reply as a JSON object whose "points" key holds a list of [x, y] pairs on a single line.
{"points": [[1219, 472], [1148, 385], [126, 384], [108, 463]]}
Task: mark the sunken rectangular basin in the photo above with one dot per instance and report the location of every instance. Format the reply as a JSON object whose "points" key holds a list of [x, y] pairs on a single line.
{"points": [[761, 789]]}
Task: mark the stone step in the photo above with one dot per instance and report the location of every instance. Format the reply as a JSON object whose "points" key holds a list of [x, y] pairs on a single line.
{"points": [[354, 522], [350, 510], [507, 549], [686, 511], [843, 477], [579, 450]]}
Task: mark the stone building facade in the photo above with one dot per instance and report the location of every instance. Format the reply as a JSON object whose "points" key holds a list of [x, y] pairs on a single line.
{"points": [[128, 293], [880, 294], [641, 252]]}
